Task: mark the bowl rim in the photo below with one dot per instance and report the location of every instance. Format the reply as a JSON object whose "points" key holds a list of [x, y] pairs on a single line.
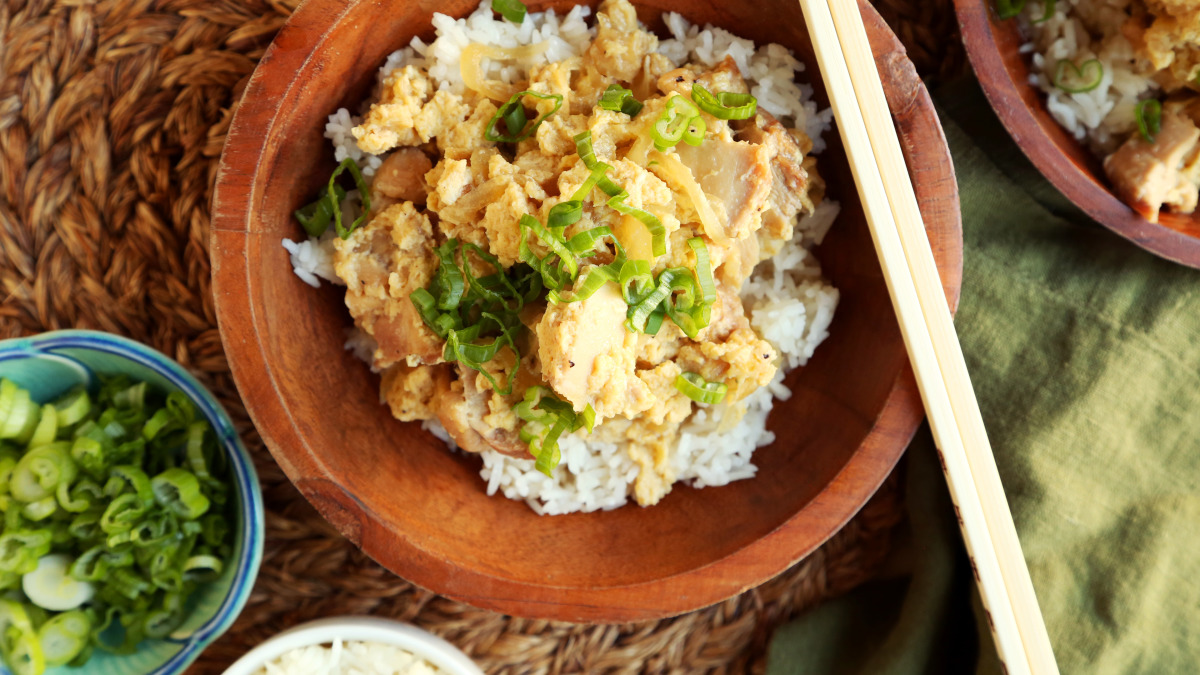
{"points": [[977, 22], [436, 650], [246, 477], [247, 347]]}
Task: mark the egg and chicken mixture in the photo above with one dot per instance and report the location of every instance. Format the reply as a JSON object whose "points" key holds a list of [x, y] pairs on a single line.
{"points": [[450, 212]]}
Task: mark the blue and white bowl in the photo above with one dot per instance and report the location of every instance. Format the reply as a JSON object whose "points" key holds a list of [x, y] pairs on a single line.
{"points": [[52, 363]]}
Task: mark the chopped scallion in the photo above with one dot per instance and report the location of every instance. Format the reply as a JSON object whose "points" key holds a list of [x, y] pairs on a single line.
{"points": [[512, 118], [1079, 79], [512, 10], [700, 390], [618, 98], [724, 105], [1148, 114]]}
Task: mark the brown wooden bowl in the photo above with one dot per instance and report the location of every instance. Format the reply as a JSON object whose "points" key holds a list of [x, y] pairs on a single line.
{"points": [[993, 46], [423, 512]]}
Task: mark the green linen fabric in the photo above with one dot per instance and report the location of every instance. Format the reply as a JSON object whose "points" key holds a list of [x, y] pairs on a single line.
{"points": [[1085, 355]]}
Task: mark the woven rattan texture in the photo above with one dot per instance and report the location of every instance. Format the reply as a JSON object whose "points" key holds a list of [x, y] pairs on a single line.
{"points": [[112, 118]]}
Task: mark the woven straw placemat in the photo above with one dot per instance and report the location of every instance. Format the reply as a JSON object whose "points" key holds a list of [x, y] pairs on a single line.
{"points": [[112, 118]]}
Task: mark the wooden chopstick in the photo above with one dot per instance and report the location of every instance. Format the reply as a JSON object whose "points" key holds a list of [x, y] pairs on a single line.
{"points": [[865, 124]]}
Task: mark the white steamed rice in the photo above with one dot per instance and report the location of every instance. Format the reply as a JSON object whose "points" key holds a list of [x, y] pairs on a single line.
{"points": [[787, 300], [1081, 30], [349, 658]]}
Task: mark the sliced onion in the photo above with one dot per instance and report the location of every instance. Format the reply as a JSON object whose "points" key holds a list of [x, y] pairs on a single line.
{"points": [[470, 66], [676, 172]]}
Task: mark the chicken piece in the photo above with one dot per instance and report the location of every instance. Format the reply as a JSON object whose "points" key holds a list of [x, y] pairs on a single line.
{"points": [[401, 176], [728, 314], [620, 44], [725, 76], [736, 176], [743, 361], [588, 357], [466, 408], [411, 391], [381, 264], [1149, 176]]}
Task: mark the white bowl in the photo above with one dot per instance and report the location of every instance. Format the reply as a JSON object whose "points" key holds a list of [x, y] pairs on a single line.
{"points": [[424, 644]]}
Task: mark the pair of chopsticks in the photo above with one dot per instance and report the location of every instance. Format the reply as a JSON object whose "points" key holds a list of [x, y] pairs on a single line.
{"points": [[864, 121]]}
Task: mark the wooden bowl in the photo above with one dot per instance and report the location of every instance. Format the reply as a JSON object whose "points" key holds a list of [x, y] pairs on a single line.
{"points": [[423, 512], [993, 46]]}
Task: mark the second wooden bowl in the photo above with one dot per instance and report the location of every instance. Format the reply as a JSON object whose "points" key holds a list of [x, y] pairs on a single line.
{"points": [[994, 47], [423, 512]]}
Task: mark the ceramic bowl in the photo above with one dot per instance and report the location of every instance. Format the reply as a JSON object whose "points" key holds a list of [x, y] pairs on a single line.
{"points": [[50, 364], [422, 643], [994, 47], [423, 512]]}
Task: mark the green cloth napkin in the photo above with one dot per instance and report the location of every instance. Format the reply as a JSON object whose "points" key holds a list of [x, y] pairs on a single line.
{"points": [[1085, 355]]}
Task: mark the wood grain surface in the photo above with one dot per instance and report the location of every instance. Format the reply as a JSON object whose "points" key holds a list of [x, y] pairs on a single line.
{"points": [[421, 511], [993, 48]]}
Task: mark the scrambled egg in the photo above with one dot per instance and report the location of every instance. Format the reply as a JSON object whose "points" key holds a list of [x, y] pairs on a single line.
{"points": [[441, 179]]}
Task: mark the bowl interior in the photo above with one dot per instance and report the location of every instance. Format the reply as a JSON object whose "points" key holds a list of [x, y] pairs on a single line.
{"points": [[49, 365], [424, 512], [994, 47]]}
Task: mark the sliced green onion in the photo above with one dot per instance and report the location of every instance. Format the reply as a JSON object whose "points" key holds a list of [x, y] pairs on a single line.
{"points": [[19, 644], [18, 412], [673, 123], [704, 275], [724, 105], [1007, 9], [700, 390], [40, 510], [1149, 118], [658, 233], [73, 407], [618, 98], [596, 278], [315, 217], [178, 491], [21, 549], [635, 280], [512, 10], [79, 497], [49, 585], [122, 513], [694, 134], [47, 427], [1079, 79], [506, 113], [449, 277], [1048, 7], [564, 215], [639, 314], [545, 419], [64, 637], [40, 471]]}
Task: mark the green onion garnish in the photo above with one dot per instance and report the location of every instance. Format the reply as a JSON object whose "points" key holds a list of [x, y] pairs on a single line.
{"points": [[1149, 118], [1007, 9], [704, 275], [513, 115], [1079, 79], [465, 310], [724, 105], [545, 418], [512, 10], [673, 123], [700, 390], [315, 217], [1048, 7], [618, 195], [119, 487], [621, 99]]}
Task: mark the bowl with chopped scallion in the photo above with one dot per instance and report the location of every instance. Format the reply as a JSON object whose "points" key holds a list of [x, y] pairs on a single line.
{"points": [[131, 520]]}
